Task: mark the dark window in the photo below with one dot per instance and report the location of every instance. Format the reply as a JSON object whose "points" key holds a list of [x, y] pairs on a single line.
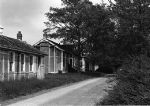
{"points": [[39, 61], [22, 61], [31, 62], [10, 61]]}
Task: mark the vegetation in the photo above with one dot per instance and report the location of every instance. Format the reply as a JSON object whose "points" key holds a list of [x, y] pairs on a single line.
{"points": [[86, 26], [113, 36], [133, 84], [13, 89], [132, 18]]}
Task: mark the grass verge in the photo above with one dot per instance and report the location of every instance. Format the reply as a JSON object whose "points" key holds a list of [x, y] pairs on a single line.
{"points": [[13, 89]]}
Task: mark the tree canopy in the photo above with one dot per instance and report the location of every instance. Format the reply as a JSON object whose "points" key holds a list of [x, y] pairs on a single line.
{"points": [[81, 23], [105, 34], [133, 26]]}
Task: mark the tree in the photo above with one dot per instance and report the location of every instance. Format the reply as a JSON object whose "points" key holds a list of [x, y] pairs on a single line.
{"points": [[133, 26], [68, 22], [85, 25]]}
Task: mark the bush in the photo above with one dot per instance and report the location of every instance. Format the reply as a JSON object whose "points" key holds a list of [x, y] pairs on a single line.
{"points": [[133, 84], [11, 89]]}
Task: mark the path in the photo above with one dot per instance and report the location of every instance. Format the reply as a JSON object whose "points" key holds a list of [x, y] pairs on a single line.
{"points": [[85, 93]]}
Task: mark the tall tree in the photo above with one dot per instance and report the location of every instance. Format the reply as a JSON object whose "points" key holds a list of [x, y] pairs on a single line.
{"points": [[68, 22], [81, 23], [133, 26]]}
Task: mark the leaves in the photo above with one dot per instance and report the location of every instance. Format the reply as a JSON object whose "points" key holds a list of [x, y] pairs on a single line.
{"points": [[82, 24]]}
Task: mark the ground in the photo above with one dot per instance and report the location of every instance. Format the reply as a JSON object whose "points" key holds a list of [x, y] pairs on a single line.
{"points": [[85, 93]]}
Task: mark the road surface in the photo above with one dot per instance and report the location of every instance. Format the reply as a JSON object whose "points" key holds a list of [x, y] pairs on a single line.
{"points": [[85, 93]]}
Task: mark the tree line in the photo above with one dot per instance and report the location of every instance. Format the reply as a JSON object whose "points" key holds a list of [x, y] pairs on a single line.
{"points": [[107, 34]]}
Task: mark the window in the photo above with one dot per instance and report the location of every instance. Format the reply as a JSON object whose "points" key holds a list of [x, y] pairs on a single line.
{"points": [[10, 61], [39, 61], [31, 62], [22, 61]]}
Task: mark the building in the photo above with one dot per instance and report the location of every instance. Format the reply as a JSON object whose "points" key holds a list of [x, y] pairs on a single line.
{"points": [[19, 59], [86, 65], [62, 58], [58, 58]]}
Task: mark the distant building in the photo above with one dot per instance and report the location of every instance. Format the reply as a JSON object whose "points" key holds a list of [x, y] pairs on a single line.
{"points": [[58, 59], [19, 59]]}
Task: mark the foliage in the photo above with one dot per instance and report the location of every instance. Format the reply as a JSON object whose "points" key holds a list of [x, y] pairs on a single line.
{"points": [[83, 24], [133, 27], [133, 84], [132, 48], [13, 89]]}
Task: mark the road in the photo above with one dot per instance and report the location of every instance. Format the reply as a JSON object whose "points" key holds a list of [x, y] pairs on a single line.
{"points": [[85, 93]]}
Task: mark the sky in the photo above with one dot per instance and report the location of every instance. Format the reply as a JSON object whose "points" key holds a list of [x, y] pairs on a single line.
{"points": [[27, 16]]}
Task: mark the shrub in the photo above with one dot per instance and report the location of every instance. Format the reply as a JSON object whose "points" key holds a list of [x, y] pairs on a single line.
{"points": [[133, 84]]}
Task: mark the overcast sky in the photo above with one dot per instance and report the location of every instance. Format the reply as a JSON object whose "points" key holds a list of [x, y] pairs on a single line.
{"points": [[26, 16]]}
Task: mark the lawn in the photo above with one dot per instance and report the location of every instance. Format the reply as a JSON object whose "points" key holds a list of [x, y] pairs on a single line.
{"points": [[13, 89]]}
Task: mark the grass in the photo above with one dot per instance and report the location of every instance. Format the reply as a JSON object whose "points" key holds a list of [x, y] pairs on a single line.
{"points": [[13, 89]]}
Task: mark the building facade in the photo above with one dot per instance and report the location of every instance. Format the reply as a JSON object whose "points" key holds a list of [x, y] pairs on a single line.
{"points": [[58, 59], [19, 59]]}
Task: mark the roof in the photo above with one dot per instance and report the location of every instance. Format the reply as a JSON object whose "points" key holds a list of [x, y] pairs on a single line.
{"points": [[17, 45], [66, 48], [50, 42]]}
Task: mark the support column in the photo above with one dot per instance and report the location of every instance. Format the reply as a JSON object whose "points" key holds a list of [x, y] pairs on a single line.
{"points": [[8, 66], [20, 71], [62, 61], [83, 64], [54, 59], [24, 65], [13, 66], [49, 60], [3, 69]]}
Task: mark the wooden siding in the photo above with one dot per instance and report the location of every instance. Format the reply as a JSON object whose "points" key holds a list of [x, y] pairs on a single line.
{"points": [[58, 60], [46, 50], [52, 59], [16, 72]]}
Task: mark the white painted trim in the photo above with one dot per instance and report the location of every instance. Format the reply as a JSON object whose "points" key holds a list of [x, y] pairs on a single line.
{"points": [[13, 65], [20, 63], [24, 65], [34, 64], [53, 72], [49, 60], [62, 61], [39, 42], [46, 40], [83, 64], [8, 66]]}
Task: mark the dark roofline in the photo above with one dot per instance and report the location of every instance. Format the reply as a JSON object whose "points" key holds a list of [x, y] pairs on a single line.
{"points": [[8, 39], [61, 47]]}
